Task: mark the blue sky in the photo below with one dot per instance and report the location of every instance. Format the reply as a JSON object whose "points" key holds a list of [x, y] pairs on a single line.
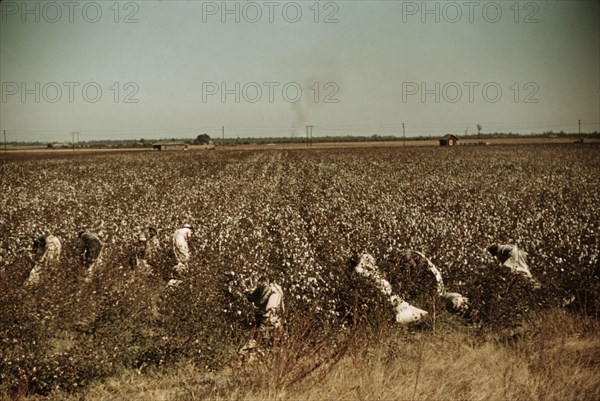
{"points": [[155, 69]]}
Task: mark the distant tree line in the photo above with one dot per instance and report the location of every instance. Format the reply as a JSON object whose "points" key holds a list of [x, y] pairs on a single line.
{"points": [[204, 139]]}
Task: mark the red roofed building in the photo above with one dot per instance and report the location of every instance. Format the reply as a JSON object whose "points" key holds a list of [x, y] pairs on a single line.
{"points": [[449, 140]]}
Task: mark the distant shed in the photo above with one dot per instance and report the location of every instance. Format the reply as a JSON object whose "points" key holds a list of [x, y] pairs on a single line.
{"points": [[169, 146], [449, 140]]}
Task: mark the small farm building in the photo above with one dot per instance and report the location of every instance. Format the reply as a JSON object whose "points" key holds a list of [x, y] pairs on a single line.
{"points": [[449, 140], [170, 146]]}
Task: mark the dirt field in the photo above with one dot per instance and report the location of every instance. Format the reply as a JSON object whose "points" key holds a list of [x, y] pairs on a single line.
{"points": [[411, 143]]}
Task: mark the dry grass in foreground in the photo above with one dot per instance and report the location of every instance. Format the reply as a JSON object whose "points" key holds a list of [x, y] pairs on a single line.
{"points": [[555, 357]]}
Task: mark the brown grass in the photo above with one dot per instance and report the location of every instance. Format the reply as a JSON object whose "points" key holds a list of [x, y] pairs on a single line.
{"points": [[556, 357]]}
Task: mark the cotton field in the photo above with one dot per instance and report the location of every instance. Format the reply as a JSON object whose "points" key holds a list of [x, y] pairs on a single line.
{"points": [[300, 217]]}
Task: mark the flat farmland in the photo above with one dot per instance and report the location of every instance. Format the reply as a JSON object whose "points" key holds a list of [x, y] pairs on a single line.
{"points": [[300, 216], [17, 149]]}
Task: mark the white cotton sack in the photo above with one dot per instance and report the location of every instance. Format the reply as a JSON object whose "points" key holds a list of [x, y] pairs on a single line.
{"points": [[406, 313]]}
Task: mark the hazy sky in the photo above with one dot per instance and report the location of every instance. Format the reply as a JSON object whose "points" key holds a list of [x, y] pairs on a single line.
{"points": [[156, 69]]}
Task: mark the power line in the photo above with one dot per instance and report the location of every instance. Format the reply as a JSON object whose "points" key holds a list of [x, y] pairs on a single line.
{"points": [[392, 129], [391, 126]]}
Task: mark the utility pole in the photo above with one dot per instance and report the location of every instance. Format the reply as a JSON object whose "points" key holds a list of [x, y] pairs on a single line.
{"points": [[403, 136], [223, 135], [309, 135], [580, 127]]}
